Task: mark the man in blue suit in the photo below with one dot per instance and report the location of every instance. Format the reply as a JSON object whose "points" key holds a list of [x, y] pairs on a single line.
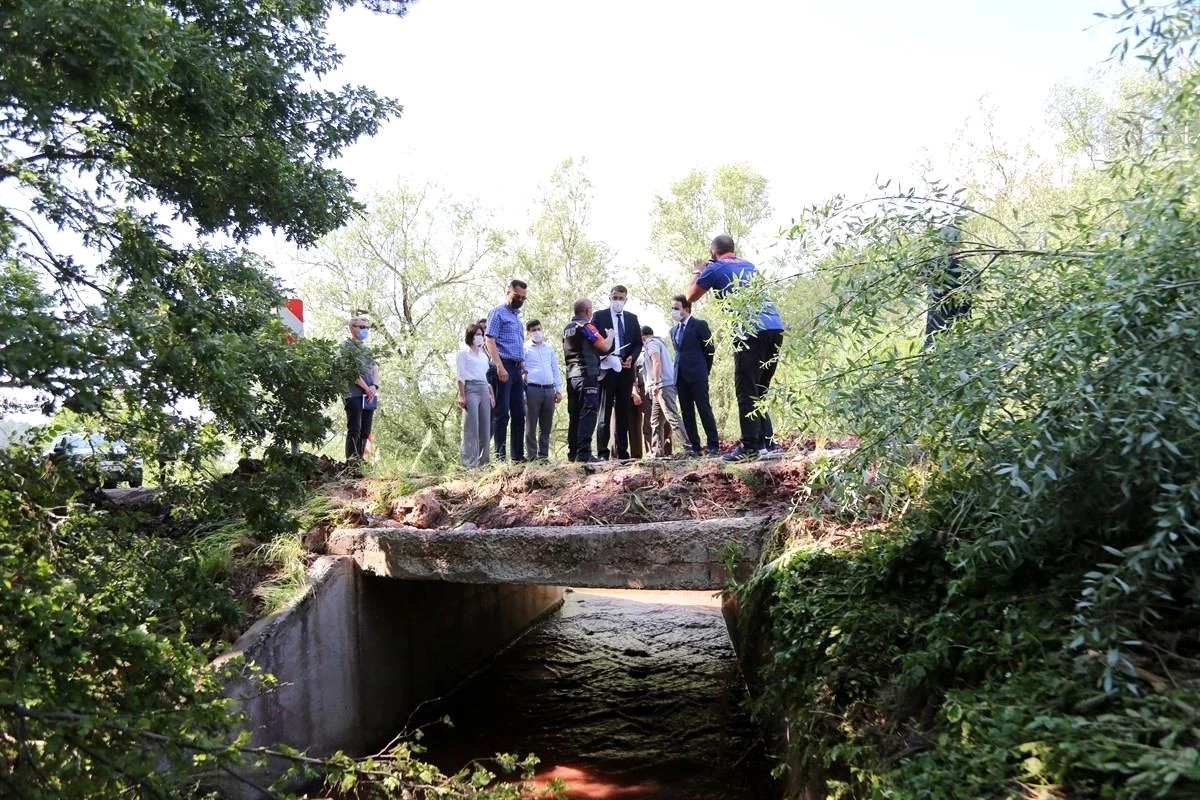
{"points": [[694, 351]]}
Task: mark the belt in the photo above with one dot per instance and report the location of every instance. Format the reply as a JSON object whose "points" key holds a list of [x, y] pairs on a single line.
{"points": [[541, 385]]}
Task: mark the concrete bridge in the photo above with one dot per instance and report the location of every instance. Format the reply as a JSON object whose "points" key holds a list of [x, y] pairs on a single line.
{"points": [[394, 617], [689, 554]]}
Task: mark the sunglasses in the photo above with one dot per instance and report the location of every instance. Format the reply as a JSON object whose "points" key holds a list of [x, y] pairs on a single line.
{"points": [[364, 327]]}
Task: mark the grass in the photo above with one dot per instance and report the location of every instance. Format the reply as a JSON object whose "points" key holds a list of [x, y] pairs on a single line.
{"points": [[233, 549], [286, 555], [217, 550], [319, 509]]}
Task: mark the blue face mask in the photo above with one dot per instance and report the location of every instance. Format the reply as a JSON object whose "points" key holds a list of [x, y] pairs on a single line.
{"points": [[362, 334]]}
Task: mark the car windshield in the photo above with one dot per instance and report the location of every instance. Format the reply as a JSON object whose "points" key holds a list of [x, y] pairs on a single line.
{"points": [[79, 444]]}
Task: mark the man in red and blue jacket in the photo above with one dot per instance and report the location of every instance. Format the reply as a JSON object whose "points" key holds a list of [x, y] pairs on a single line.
{"points": [[583, 346]]}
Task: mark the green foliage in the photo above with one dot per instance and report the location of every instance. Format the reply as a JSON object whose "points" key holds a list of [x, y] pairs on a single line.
{"points": [[108, 622], [734, 200], [201, 111], [421, 266], [103, 631], [113, 116], [397, 770], [285, 555], [201, 106], [1027, 625], [559, 259], [562, 262]]}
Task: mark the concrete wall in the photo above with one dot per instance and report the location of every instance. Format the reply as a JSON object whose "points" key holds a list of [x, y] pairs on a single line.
{"points": [[357, 654]]}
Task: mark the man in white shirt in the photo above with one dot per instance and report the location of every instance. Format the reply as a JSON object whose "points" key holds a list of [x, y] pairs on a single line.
{"points": [[543, 391]]}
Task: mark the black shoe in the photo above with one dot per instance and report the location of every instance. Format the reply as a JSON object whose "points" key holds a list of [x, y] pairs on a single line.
{"points": [[712, 452], [740, 453], [595, 460]]}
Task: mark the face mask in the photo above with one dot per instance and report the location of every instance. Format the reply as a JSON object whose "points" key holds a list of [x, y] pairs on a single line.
{"points": [[537, 337], [478, 339], [516, 302], [677, 314], [618, 306], [362, 334]]}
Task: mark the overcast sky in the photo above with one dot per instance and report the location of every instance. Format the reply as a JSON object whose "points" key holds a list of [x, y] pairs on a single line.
{"points": [[820, 97]]}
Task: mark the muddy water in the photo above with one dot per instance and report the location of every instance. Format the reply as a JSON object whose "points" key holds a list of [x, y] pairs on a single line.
{"points": [[622, 695]]}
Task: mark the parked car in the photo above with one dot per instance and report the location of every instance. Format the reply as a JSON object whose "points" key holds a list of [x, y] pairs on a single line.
{"points": [[96, 460]]}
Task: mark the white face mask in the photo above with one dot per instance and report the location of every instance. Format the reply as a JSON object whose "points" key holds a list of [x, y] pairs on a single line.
{"points": [[478, 340], [617, 306], [677, 314], [537, 337]]}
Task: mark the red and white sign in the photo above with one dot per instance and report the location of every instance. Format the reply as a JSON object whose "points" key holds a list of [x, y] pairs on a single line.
{"points": [[292, 315]]}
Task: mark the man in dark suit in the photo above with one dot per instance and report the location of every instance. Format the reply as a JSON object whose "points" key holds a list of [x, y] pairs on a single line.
{"points": [[694, 350], [616, 388]]}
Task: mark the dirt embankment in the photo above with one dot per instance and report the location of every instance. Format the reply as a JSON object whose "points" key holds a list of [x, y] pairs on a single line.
{"points": [[569, 494], [563, 494]]}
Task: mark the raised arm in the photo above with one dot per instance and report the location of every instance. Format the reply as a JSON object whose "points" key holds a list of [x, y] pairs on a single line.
{"points": [[696, 291]]}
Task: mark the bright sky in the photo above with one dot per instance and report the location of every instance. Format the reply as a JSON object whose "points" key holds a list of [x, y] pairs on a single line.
{"points": [[820, 97]]}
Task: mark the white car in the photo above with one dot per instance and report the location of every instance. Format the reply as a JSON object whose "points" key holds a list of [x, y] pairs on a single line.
{"points": [[94, 459]]}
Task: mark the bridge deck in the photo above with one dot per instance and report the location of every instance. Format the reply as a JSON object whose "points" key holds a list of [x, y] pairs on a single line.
{"points": [[688, 554]]}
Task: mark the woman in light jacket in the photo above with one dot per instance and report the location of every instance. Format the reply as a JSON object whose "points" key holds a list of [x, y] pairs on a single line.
{"points": [[475, 398]]}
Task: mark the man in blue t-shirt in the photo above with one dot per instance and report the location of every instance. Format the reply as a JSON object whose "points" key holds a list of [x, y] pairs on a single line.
{"points": [[755, 352]]}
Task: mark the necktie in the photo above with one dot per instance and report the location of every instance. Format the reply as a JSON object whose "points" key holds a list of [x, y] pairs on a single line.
{"points": [[621, 330]]}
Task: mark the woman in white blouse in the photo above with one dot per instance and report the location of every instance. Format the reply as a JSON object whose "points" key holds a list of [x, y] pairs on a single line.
{"points": [[476, 398]]}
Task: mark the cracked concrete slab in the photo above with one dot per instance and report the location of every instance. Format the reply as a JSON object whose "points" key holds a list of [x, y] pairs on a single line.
{"points": [[686, 554]]}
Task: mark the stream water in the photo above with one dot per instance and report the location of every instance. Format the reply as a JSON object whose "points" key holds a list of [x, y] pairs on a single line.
{"points": [[622, 694]]}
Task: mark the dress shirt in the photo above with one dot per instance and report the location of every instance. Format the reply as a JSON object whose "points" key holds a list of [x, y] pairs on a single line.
{"points": [[504, 325], [541, 366], [679, 330], [472, 366], [620, 344]]}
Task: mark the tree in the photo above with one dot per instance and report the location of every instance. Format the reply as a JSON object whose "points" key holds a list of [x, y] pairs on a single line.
{"points": [[421, 266], [734, 200], [559, 259], [1031, 601], [114, 116], [127, 130]]}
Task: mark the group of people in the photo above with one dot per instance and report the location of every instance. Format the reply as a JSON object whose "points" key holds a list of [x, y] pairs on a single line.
{"points": [[623, 384]]}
